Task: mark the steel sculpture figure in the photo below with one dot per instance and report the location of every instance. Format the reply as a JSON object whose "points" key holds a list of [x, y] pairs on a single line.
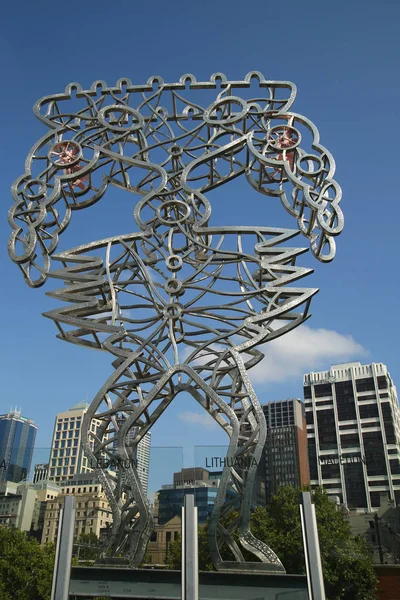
{"points": [[181, 305]]}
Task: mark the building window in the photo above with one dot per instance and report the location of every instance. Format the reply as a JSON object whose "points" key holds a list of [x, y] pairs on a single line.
{"points": [[368, 411], [323, 390], [365, 385], [382, 383]]}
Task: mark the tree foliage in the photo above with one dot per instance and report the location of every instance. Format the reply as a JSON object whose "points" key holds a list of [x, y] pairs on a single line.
{"points": [[346, 561], [26, 569], [86, 547]]}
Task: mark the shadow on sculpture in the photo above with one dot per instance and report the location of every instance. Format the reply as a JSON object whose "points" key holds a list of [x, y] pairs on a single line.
{"points": [[180, 305]]}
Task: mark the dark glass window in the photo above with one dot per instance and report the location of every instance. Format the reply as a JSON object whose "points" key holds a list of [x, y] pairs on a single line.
{"points": [[395, 466], [307, 392], [367, 411], [377, 483], [312, 459], [323, 390], [345, 401], [375, 499], [374, 453], [348, 440], [326, 429], [382, 382], [365, 385], [309, 417], [390, 433], [331, 471], [388, 421], [355, 487]]}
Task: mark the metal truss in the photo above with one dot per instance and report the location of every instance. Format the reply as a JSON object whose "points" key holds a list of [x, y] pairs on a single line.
{"points": [[181, 305]]}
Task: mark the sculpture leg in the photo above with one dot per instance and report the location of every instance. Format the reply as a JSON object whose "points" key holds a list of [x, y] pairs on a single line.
{"points": [[113, 444], [239, 478]]}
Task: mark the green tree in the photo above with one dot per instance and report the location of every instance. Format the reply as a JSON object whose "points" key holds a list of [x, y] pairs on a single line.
{"points": [[205, 562], [26, 569], [86, 547], [346, 561]]}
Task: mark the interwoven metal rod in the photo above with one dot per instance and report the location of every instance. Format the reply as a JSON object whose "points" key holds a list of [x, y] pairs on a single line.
{"points": [[181, 305]]}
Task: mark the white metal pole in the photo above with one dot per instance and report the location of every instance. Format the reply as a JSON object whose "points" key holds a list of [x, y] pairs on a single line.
{"points": [[62, 565], [312, 554], [190, 555]]}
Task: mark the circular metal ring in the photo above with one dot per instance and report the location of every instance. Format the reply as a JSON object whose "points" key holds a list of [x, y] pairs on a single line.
{"points": [[173, 286], [173, 262], [42, 188], [283, 137], [173, 311], [310, 158], [166, 210], [176, 150], [65, 155], [116, 113], [221, 106]]}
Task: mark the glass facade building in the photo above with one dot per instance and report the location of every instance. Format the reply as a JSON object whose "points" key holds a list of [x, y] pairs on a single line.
{"points": [[353, 430], [17, 440], [170, 502], [286, 457]]}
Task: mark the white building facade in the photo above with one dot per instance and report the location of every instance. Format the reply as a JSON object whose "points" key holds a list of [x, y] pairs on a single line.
{"points": [[66, 455], [143, 460], [353, 431]]}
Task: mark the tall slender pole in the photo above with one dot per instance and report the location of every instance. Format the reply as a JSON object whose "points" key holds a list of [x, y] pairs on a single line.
{"points": [[190, 555], [312, 554], [62, 563]]}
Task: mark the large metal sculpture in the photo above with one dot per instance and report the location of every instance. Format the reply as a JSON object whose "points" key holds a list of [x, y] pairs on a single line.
{"points": [[181, 305]]}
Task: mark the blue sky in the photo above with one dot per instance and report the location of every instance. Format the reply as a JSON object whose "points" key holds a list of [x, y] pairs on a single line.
{"points": [[343, 57]]}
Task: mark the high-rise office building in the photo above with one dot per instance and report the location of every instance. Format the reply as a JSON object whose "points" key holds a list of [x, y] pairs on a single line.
{"points": [[17, 440], [40, 472], [66, 455], [353, 429], [143, 460], [169, 499], [141, 455], [286, 457]]}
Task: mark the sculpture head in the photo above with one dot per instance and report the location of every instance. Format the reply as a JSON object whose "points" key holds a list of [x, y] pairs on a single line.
{"points": [[170, 143]]}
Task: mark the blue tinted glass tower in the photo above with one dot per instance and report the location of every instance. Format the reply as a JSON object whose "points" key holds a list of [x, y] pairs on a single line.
{"points": [[17, 440]]}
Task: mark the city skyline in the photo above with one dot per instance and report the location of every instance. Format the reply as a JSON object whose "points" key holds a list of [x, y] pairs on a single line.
{"points": [[200, 455]]}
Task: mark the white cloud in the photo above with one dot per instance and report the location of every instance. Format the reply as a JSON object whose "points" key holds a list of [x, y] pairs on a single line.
{"points": [[194, 418], [302, 350]]}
